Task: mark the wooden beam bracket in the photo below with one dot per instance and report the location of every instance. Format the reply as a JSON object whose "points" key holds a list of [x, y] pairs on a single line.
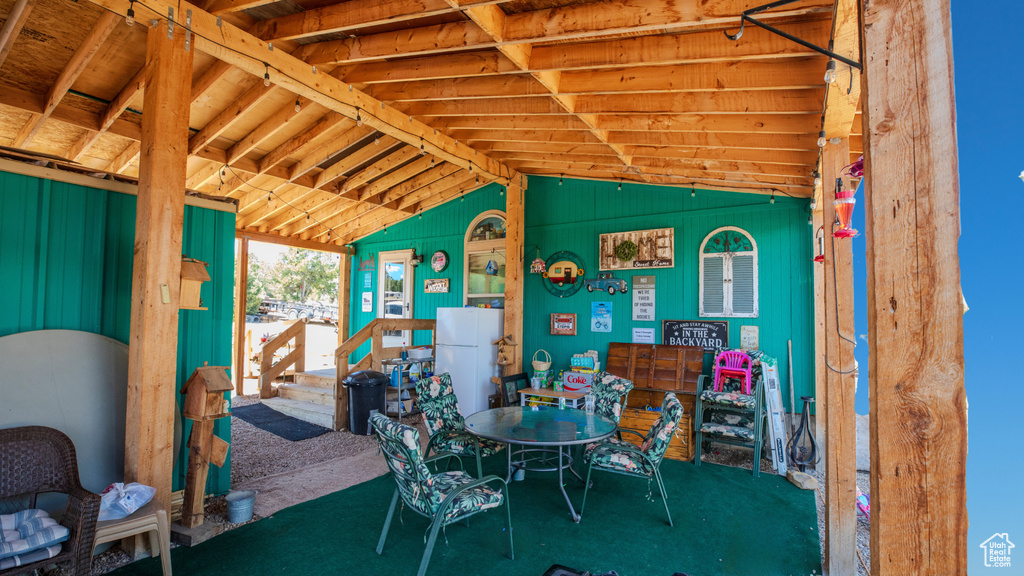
{"points": [[745, 17]]}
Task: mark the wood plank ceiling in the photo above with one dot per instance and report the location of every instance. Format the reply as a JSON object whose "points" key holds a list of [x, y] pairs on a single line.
{"points": [[637, 90]]}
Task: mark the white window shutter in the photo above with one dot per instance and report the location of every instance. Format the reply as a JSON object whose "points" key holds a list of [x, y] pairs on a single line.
{"points": [[744, 292], [713, 288]]}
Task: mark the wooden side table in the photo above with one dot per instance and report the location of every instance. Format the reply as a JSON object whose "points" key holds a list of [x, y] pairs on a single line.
{"points": [[151, 519]]}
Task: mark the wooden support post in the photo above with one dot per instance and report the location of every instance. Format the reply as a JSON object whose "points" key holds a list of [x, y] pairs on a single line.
{"points": [[344, 295], [241, 290], [840, 369], [200, 446], [915, 308], [156, 278], [820, 371], [515, 196], [344, 298]]}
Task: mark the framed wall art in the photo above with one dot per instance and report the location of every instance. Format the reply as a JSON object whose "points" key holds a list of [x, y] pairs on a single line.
{"points": [[637, 250], [563, 324]]}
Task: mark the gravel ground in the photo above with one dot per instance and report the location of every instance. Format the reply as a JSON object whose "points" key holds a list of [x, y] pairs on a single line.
{"points": [[256, 453]]}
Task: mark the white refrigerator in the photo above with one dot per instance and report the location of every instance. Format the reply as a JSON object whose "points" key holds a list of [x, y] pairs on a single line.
{"points": [[465, 349]]}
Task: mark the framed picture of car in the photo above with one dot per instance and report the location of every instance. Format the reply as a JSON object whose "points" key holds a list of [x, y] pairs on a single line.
{"points": [[563, 324]]}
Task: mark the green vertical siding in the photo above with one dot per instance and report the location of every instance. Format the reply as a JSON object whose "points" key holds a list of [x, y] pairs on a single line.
{"points": [[573, 215], [443, 228], [66, 255]]}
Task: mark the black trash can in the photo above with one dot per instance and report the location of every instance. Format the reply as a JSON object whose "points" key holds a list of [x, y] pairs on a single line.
{"points": [[365, 394]]}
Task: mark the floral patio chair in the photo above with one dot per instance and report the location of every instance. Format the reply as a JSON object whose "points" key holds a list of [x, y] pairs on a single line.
{"points": [[621, 457], [445, 498], [728, 416], [447, 428], [608, 391]]}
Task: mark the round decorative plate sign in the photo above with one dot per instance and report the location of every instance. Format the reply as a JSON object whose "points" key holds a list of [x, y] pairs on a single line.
{"points": [[564, 275], [439, 261]]}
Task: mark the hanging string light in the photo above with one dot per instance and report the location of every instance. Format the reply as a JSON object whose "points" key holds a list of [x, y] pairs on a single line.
{"points": [[266, 74], [559, 179], [298, 105], [359, 117], [129, 17]]}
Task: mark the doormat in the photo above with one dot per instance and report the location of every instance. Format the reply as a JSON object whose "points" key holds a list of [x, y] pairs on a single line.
{"points": [[266, 418]]}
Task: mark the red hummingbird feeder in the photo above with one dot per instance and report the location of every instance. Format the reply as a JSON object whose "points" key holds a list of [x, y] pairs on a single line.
{"points": [[844, 203], [819, 237]]}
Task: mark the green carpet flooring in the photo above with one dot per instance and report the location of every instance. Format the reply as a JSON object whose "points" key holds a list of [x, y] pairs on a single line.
{"points": [[726, 522]]}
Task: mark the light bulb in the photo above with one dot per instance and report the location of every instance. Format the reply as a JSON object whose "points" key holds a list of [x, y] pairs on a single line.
{"points": [[462, 198], [359, 118], [559, 180], [298, 105], [813, 204], [376, 141], [266, 78], [772, 199], [129, 18], [821, 139], [693, 193], [830, 72], [817, 178]]}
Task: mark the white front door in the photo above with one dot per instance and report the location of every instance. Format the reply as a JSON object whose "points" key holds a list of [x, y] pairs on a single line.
{"points": [[394, 293]]}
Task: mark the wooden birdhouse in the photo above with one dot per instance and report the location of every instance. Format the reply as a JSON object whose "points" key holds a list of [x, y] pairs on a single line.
{"points": [[193, 274], [204, 393], [506, 350]]}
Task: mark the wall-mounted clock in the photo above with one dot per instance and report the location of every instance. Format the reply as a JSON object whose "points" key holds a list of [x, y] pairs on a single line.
{"points": [[564, 275], [439, 261]]}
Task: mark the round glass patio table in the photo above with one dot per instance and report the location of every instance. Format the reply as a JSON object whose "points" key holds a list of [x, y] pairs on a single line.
{"points": [[545, 427]]}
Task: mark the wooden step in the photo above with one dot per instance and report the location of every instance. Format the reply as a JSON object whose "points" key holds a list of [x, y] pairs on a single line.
{"points": [[312, 413], [304, 393], [319, 378]]}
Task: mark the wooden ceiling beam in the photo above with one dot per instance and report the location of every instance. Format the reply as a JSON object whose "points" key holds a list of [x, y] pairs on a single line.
{"points": [[494, 21], [350, 161], [333, 147], [710, 46], [682, 172], [625, 16], [90, 45], [16, 19], [612, 162], [345, 16], [221, 122], [565, 23], [267, 128], [741, 102], [797, 74], [206, 80], [766, 123], [253, 56], [453, 65], [686, 139], [396, 177], [704, 46], [116, 107], [125, 158], [377, 169], [327, 122], [219, 7], [384, 219], [803, 159]]}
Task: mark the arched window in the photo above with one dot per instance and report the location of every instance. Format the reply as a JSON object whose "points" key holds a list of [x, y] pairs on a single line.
{"points": [[485, 260], [728, 274]]}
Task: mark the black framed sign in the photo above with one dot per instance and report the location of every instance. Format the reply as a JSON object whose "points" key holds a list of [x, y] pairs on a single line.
{"points": [[704, 333]]}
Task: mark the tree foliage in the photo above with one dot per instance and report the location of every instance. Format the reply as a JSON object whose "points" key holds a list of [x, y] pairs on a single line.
{"points": [[298, 276]]}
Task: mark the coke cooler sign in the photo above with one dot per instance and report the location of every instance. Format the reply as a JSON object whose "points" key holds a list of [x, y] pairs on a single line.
{"points": [[577, 381]]}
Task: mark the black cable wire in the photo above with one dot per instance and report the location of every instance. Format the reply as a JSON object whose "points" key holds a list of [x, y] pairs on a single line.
{"points": [[835, 299]]}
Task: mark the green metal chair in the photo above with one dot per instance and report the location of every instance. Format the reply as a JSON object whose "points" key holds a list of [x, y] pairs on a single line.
{"points": [[729, 417], [610, 393], [621, 457], [440, 407], [445, 498]]}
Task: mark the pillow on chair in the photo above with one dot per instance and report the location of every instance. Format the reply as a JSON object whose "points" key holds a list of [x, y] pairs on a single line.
{"points": [[29, 536]]}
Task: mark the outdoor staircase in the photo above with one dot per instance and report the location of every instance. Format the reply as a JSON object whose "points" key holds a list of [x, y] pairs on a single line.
{"points": [[310, 398]]}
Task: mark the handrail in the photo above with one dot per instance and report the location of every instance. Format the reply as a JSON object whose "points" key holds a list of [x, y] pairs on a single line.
{"points": [[374, 332], [269, 370]]}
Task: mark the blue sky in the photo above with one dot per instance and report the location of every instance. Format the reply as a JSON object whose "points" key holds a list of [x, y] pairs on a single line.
{"points": [[990, 116]]}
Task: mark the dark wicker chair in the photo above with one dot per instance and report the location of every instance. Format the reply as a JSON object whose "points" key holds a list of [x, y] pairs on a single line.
{"points": [[35, 460]]}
